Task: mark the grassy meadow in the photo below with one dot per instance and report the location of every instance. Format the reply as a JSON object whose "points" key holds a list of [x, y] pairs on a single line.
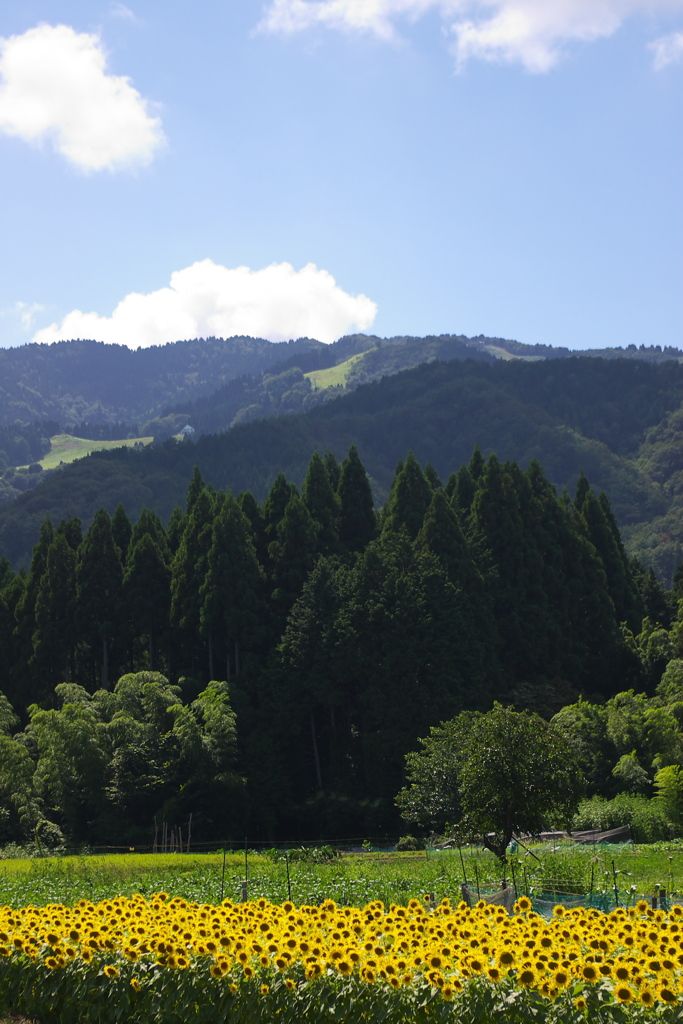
{"points": [[335, 376], [66, 448]]}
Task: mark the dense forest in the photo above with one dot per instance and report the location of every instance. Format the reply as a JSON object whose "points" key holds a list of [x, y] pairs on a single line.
{"points": [[619, 421], [266, 666]]}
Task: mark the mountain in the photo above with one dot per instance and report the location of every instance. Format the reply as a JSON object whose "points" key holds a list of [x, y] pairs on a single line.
{"points": [[75, 381], [94, 390], [617, 420]]}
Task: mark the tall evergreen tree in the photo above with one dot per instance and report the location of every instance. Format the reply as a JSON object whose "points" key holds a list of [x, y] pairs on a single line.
{"points": [[54, 638], [195, 488], [72, 531], [322, 504], [358, 522], [409, 499], [602, 531], [247, 502], [232, 592], [122, 529], [275, 504], [150, 524], [188, 569], [99, 575], [175, 529], [292, 554], [333, 469], [147, 591]]}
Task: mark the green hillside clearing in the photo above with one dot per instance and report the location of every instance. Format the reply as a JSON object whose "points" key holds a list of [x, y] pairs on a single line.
{"points": [[335, 376], [66, 448]]}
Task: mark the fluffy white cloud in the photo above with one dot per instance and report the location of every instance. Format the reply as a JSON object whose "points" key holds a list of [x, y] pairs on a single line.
{"points": [[206, 300], [54, 85], [667, 50], [530, 32]]}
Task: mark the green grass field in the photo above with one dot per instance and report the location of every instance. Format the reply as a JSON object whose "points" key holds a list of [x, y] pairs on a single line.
{"points": [[66, 448], [353, 879], [334, 376]]}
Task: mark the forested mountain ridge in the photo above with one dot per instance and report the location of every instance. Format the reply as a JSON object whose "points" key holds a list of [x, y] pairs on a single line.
{"points": [[75, 381], [92, 384], [619, 421]]}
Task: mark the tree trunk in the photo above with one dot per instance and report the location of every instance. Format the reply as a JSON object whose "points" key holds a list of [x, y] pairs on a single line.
{"points": [[211, 675], [237, 660]]}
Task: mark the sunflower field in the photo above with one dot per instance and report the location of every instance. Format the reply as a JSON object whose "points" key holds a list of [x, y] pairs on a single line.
{"points": [[172, 961]]}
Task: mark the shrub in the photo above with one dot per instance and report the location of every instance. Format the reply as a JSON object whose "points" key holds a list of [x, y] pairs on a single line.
{"points": [[647, 818], [407, 843]]}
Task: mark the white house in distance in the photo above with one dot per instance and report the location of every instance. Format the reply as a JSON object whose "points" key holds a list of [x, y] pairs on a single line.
{"points": [[187, 430]]}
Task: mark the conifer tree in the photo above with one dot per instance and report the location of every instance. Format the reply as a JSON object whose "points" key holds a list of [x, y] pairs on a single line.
{"points": [[232, 592], [150, 524], [408, 500], [72, 531], [358, 522], [333, 469], [147, 591], [292, 554], [322, 504], [195, 488], [249, 506], [54, 638], [122, 528], [99, 575], [174, 530], [602, 532], [189, 566], [275, 504]]}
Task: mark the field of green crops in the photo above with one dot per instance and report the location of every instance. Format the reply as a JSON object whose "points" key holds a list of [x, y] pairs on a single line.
{"points": [[353, 879]]}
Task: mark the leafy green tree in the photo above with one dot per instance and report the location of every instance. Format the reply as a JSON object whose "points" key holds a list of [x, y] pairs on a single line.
{"points": [[518, 775], [431, 797], [72, 760], [508, 772]]}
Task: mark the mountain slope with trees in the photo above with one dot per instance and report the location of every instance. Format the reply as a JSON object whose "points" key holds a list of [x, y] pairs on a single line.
{"points": [[615, 420]]}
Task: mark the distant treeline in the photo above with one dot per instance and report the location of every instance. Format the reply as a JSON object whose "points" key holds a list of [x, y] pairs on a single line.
{"points": [[342, 637]]}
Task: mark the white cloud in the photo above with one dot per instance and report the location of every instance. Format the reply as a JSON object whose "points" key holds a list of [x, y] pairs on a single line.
{"points": [[530, 32], [118, 10], [54, 86], [23, 314], [206, 300], [667, 50]]}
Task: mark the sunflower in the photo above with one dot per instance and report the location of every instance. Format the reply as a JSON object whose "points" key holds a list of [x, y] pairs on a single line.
{"points": [[623, 994], [527, 977], [111, 971], [589, 972]]}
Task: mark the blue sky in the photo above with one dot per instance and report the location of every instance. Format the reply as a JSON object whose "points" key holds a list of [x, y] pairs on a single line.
{"points": [[509, 167]]}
